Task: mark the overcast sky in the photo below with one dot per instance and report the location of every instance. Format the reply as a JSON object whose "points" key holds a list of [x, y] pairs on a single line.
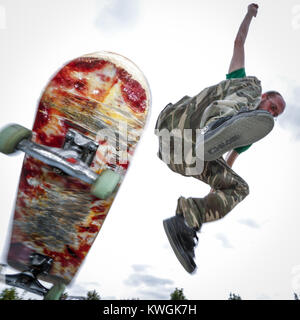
{"points": [[182, 46]]}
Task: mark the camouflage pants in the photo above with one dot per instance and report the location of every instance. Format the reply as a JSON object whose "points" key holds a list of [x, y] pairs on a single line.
{"points": [[223, 99], [228, 190]]}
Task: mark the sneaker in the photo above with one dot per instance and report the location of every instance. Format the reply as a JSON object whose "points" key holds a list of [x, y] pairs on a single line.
{"points": [[182, 240], [228, 133]]}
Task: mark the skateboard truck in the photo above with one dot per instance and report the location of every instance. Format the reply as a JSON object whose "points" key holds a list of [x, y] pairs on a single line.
{"points": [[73, 159], [85, 147], [27, 280]]}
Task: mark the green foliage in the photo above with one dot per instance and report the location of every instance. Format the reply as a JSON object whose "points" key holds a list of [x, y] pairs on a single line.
{"points": [[234, 296], [93, 295], [10, 294], [178, 295], [64, 296]]}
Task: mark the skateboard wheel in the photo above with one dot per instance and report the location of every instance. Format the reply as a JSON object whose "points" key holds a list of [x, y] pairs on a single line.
{"points": [[11, 135], [55, 292], [105, 184]]}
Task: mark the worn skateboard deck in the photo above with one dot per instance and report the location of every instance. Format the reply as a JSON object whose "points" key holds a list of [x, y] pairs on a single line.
{"points": [[105, 97]]}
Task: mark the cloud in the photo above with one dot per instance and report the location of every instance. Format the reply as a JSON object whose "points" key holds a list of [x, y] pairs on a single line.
{"points": [[224, 240], [81, 288], [137, 279], [149, 286], [290, 119], [140, 267], [116, 15], [156, 295], [109, 298], [249, 222]]}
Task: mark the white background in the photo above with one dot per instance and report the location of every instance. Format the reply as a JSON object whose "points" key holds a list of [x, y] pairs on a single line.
{"points": [[182, 46]]}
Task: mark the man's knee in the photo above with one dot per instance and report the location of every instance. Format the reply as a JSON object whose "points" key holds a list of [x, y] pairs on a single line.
{"points": [[244, 189]]}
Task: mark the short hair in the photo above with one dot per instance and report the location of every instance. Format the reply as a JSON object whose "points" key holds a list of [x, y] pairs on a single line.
{"points": [[273, 93]]}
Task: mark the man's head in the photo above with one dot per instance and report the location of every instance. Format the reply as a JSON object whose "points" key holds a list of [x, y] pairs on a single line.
{"points": [[273, 102]]}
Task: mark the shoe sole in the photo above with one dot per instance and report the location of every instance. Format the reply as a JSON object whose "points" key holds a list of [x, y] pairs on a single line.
{"points": [[236, 132], [182, 257]]}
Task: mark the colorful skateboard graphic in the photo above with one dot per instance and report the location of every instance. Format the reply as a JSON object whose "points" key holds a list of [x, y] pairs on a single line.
{"points": [[89, 120]]}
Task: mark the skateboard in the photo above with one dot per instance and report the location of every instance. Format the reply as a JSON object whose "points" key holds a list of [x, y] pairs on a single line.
{"points": [[89, 120]]}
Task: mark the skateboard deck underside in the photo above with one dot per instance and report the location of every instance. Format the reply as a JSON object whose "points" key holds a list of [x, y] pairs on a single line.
{"points": [[105, 97]]}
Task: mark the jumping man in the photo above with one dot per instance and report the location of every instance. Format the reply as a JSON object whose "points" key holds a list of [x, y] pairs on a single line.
{"points": [[230, 116]]}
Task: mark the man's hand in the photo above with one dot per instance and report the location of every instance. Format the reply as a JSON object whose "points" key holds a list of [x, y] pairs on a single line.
{"points": [[252, 9]]}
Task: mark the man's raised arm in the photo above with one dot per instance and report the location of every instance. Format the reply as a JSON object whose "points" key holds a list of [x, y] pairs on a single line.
{"points": [[238, 58]]}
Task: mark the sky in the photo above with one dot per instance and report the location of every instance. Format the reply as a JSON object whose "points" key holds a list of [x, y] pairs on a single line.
{"points": [[182, 47]]}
